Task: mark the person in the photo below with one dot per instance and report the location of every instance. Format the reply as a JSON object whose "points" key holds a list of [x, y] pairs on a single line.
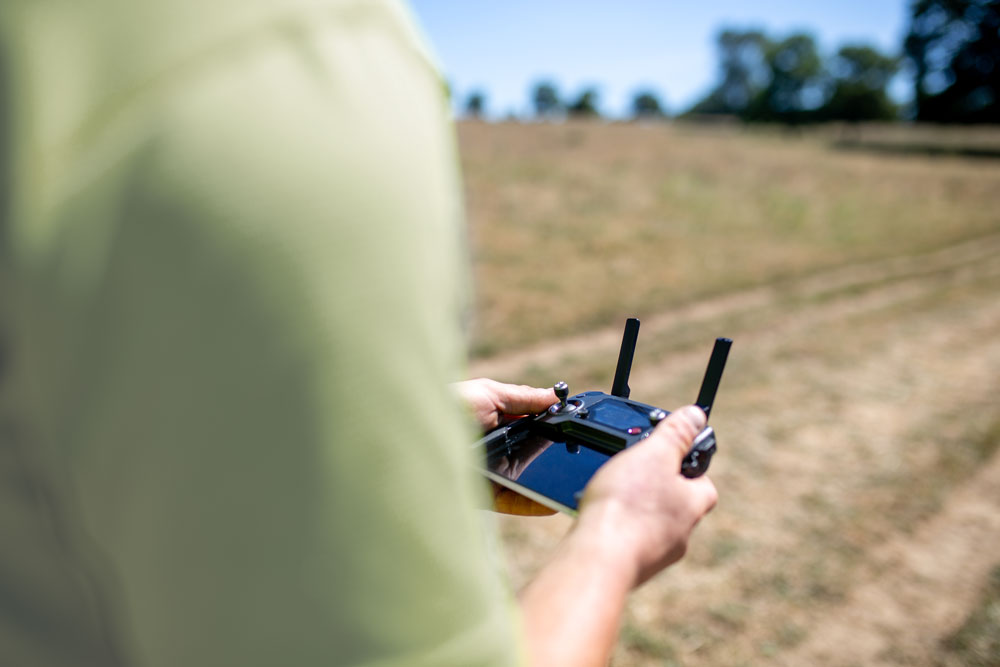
{"points": [[230, 309]]}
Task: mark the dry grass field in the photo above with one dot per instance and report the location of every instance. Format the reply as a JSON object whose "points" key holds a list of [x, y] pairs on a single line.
{"points": [[859, 419]]}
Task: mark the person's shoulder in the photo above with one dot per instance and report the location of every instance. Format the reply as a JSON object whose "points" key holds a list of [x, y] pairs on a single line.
{"points": [[317, 105]]}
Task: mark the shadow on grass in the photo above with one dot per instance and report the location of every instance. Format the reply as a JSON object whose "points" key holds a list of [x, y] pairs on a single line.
{"points": [[918, 149]]}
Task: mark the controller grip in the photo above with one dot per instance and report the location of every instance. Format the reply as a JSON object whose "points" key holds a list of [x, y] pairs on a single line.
{"points": [[697, 460]]}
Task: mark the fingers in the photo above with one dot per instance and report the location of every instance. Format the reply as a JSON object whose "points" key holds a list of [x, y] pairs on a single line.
{"points": [[676, 433], [514, 399], [703, 495]]}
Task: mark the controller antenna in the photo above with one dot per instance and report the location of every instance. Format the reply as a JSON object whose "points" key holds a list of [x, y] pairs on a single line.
{"points": [[713, 374], [620, 386]]}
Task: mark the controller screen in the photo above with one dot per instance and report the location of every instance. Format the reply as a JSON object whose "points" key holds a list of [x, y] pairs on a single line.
{"points": [[555, 470], [618, 414]]}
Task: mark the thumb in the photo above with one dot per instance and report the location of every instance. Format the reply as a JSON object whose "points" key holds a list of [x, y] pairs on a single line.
{"points": [[675, 434], [523, 400]]}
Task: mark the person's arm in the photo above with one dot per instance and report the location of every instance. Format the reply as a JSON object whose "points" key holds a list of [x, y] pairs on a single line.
{"points": [[636, 517], [571, 610]]}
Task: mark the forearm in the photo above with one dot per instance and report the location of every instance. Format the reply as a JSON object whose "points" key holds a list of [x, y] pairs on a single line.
{"points": [[635, 520], [572, 609]]}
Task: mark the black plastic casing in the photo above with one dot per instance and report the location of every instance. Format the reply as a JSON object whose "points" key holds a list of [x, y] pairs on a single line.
{"points": [[551, 457]]}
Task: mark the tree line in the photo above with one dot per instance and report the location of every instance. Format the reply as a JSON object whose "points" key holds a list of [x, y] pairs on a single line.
{"points": [[787, 80], [951, 49], [547, 103]]}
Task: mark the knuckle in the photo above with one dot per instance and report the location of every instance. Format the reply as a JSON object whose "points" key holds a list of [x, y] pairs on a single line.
{"points": [[713, 496], [678, 434], [706, 498], [684, 424]]}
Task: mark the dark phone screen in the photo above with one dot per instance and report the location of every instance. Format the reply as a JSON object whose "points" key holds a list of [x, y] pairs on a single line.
{"points": [[552, 469]]}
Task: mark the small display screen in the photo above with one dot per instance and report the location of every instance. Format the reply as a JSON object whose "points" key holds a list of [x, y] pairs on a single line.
{"points": [[618, 414], [555, 470]]}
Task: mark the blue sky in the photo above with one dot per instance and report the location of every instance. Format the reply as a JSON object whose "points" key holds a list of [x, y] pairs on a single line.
{"points": [[503, 48]]}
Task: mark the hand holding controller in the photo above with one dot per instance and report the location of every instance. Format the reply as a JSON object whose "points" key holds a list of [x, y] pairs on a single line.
{"points": [[555, 453]]}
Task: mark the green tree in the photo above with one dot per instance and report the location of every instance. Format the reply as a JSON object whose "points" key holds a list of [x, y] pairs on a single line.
{"points": [[861, 76], [586, 104], [743, 73], [954, 47], [545, 97], [646, 104], [796, 85], [475, 104], [787, 80]]}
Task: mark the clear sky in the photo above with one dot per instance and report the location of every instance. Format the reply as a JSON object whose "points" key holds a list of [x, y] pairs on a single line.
{"points": [[503, 48]]}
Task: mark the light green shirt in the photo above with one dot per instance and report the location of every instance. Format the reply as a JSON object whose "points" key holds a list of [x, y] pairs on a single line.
{"points": [[230, 297]]}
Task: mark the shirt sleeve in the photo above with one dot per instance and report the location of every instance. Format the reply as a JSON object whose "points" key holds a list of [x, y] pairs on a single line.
{"points": [[257, 418]]}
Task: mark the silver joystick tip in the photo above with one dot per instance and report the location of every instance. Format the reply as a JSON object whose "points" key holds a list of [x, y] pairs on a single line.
{"points": [[656, 416]]}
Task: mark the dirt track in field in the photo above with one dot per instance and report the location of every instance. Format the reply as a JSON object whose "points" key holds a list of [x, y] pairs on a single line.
{"points": [[937, 572], [899, 278], [859, 480]]}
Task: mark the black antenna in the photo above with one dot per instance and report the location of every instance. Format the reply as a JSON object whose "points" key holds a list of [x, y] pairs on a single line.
{"points": [[620, 386], [713, 374]]}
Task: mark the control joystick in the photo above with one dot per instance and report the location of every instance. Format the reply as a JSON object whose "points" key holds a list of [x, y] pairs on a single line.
{"points": [[696, 461], [562, 393], [695, 464]]}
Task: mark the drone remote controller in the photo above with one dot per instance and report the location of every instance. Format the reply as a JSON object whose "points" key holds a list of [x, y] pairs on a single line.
{"points": [[550, 457]]}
